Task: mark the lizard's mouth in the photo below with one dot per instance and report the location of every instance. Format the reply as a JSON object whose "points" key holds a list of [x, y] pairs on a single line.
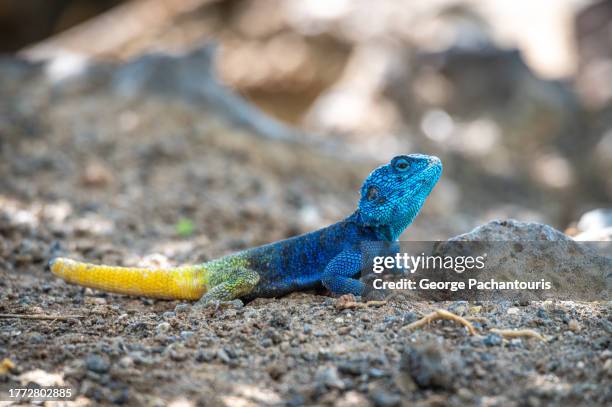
{"points": [[429, 178]]}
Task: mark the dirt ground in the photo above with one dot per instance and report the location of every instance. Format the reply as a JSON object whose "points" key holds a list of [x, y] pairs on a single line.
{"points": [[107, 182]]}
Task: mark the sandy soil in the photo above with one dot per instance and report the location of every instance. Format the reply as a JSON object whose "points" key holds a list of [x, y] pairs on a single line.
{"points": [[113, 183]]}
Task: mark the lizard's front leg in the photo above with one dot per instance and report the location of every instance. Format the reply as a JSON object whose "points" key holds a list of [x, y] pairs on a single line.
{"points": [[339, 273], [239, 283]]}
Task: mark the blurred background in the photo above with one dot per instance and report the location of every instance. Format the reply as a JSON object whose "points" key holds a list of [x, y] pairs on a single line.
{"points": [[514, 96], [165, 132]]}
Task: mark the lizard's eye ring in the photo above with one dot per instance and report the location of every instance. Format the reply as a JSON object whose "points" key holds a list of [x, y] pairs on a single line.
{"points": [[401, 164], [372, 193]]}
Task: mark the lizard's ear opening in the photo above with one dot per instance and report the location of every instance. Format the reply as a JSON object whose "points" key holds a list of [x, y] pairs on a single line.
{"points": [[372, 193]]}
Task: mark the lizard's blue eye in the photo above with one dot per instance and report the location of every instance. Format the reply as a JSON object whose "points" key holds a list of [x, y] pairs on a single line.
{"points": [[401, 164], [372, 193]]}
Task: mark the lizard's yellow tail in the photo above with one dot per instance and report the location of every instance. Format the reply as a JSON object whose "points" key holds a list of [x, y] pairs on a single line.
{"points": [[186, 283]]}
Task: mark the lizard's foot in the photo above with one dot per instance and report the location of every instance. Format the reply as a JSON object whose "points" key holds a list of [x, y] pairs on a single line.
{"points": [[440, 314]]}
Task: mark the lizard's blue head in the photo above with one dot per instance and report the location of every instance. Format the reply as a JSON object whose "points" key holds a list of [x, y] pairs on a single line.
{"points": [[393, 194]]}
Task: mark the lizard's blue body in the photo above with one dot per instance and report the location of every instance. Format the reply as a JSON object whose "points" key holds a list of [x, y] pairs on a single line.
{"points": [[391, 197]]}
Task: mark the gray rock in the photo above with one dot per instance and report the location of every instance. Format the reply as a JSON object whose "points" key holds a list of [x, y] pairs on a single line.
{"points": [[97, 363], [531, 252], [353, 367], [330, 378], [429, 365], [163, 328], [223, 356], [178, 354], [191, 77], [186, 335], [512, 230], [492, 340], [376, 373], [168, 315], [181, 308], [384, 399], [204, 355]]}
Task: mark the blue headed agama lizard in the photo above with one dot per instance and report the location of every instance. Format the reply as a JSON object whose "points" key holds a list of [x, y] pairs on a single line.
{"points": [[391, 197]]}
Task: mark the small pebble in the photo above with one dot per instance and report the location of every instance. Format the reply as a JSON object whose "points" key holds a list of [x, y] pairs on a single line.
{"points": [[355, 367], [181, 308], [162, 328], [607, 367], [376, 373], [329, 377], [276, 371], [516, 342], [178, 355], [126, 362], [205, 356], [464, 394], [492, 340], [97, 363], [384, 399], [186, 335], [389, 319], [409, 317], [223, 356], [573, 325]]}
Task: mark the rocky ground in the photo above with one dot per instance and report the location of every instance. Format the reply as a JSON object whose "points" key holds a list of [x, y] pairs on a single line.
{"points": [[96, 174]]}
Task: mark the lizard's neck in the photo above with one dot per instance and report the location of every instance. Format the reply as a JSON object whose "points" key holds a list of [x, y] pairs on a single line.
{"points": [[383, 232]]}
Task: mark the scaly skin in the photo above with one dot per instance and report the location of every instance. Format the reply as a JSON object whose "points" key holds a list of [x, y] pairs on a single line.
{"points": [[391, 197]]}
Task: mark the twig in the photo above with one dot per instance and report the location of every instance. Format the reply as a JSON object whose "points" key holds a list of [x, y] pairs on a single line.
{"points": [[510, 333], [440, 314], [42, 316], [348, 301]]}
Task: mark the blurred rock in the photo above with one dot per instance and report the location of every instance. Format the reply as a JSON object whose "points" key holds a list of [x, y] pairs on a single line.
{"points": [[355, 104], [191, 77], [97, 363], [595, 220], [22, 23], [593, 39], [595, 225], [96, 174], [429, 365], [602, 156]]}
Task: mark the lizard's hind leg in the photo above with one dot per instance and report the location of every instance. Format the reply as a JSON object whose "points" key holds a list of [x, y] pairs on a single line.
{"points": [[237, 284]]}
